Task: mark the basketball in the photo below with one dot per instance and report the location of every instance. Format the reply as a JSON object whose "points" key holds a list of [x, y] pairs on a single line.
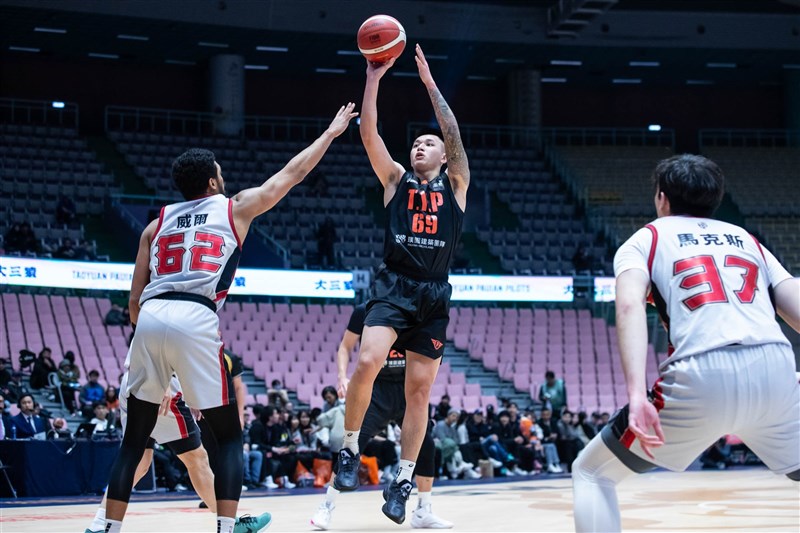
{"points": [[381, 38]]}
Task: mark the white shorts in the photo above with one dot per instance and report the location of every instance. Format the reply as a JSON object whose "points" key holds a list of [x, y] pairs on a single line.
{"points": [[179, 337], [177, 425], [748, 391]]}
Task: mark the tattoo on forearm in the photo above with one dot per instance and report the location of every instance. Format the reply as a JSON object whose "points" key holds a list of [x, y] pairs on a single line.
{"points": [[454, 148]]}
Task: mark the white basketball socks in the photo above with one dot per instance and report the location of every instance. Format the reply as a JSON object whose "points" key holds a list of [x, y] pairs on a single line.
{"points": [[330, 495], [406, 470], [112, 526], [351, 440], [99, 522], [225, 524]]}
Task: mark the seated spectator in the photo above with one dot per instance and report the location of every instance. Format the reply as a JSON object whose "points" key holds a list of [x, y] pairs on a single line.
{"points": [[253, 458], [569, 445], [442, 409], [382, 448], [549, 438], [114, 317], [5, 419], [91, 393], [65, 211], [445, 437], [717, 456], [111, 397], [581, 260], [553, 392], [15, 389], [604, 417], [477, 430], [282, 449], [331, 399], [168, 468], [67, 250], [277, 395], [5, 373], [69, 374], [584, 428], [28, 243], [510, 437], [287, 412], [27, 423], [59, 430], [101, 422], [85, 251], [332, 421], [43, 366]]}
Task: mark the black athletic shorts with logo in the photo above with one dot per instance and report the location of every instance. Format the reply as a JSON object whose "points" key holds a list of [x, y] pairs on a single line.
{"points": [[418, 310]]}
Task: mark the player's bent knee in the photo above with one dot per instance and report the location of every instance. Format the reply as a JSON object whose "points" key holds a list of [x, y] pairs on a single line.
{"points": [[194, 458], [370, 362]]}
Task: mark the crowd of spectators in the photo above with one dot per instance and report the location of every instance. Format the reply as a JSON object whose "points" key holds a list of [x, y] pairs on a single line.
{"points": [[284, 448]]}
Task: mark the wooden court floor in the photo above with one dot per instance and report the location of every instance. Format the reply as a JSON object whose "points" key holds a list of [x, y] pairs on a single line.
{"points": [[733, 500]]}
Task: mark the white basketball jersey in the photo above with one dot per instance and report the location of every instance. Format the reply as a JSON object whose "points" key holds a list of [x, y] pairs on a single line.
{"points": [[195, 249], [710, 281]]}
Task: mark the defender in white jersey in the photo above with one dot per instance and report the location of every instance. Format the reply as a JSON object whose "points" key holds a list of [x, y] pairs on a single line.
{"points": [[183, 270], [730, 368]]}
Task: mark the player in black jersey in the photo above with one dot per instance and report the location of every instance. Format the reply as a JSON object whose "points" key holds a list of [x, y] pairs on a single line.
{"points": [[411, 295], [387, 403]]}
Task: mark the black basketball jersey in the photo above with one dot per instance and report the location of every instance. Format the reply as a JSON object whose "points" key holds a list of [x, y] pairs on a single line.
{"points": [[423, 226], [394, 368]]}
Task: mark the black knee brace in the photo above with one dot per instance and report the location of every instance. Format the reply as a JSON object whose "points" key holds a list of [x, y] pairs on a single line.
{"points": [[141, 421], [224, 423], [426, 460]]}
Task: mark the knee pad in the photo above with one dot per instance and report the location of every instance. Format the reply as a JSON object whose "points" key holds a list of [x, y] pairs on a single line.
{"points": [[426, 460]]}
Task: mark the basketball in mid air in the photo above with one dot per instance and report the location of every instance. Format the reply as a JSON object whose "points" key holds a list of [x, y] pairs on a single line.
{"points": [[381, 38]]}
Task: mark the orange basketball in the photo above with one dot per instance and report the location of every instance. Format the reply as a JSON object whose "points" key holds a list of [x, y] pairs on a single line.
{"points": [[381, 38]]}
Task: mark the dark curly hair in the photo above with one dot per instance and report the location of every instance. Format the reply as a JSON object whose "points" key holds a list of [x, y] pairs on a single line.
{"points": [[191, 171], [693, 184]]}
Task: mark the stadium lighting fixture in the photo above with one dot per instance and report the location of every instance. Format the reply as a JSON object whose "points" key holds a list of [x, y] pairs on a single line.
{"points": [[554, 80], [99, 55], [127, 37], [720, 65], [626, 81], [179, 62], [654, 127], [330, 70], [348, 53], [24, 49], [42, 29], [57, 105], [272, 48], [644, 63], [565, 63], [256, 67], [212, 45]]}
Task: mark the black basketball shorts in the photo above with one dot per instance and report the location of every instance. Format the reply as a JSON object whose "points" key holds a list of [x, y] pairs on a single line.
{"points": [[417, 310]]}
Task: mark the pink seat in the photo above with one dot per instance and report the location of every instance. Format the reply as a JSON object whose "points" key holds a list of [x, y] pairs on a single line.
{"points": [[470, 403], [472, 389], [458, 378], [489, 400], [455, 389]]}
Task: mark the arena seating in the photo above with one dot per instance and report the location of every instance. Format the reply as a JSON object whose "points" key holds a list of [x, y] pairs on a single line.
{"points": [[549, 231], [763, 184], [293, 223], [65, 324], [41, 163], [297, 343], [616, 183], [522, 344]]}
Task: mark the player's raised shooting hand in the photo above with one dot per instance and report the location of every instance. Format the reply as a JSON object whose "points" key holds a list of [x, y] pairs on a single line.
{"points": [[376, 71], [342, 119], [643, 416], [424, 69]]}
